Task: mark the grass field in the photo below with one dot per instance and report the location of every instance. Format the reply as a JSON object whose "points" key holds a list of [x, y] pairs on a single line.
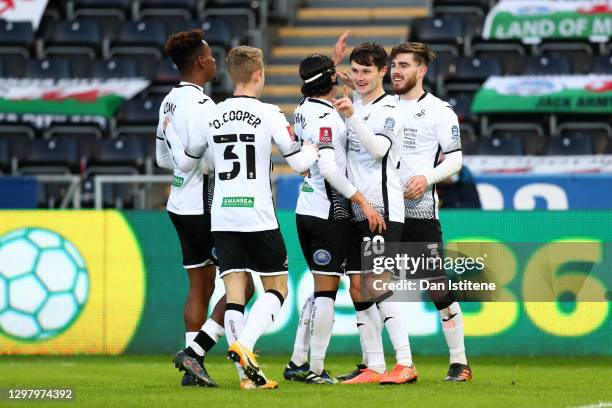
{"points": [[150, 381]]}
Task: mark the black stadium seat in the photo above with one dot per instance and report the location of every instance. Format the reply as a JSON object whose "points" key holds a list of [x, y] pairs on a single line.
{"points": [[122, 152], [510, 54], [579, 54], [16, 46], [559, 65], [114, 69], [476, 69], [602, 64], [50, 156], [167, 72], [141, 42], [600, 133], [446, 35], [501, 146], [139, 112], [76, 41], [570, 145], [5, 157], [108, 13], [531, 135], [217, 32], [52, 68]]}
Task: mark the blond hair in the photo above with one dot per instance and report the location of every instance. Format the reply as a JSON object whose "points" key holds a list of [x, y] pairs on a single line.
{"points": [[243, 62]]}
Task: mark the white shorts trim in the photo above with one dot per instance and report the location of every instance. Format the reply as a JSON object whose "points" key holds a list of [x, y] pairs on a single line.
{"points": [[196, 265], [353, 272], [326, 273], [222, 274]]}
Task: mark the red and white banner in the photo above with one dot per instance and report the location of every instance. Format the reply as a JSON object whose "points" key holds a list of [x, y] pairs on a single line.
{"points": [[23, 10]]}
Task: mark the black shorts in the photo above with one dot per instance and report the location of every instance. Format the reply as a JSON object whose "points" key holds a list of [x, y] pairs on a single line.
{"points": [[324, 243], [360, 232], [260, 251], [425, 236], [197, 244]]}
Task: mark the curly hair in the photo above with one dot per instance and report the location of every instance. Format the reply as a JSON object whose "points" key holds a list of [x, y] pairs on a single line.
{"points": [[184, 47]]}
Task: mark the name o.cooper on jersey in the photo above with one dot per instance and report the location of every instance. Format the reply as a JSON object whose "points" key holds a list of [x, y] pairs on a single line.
{"points": [[430, 127], [190, 191], [240, 131], [317, 122], [377, 179]]}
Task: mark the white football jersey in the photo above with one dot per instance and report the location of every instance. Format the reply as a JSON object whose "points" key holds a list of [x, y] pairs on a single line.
{"points": [[430, 126], [182, 106], [377, 179], [240, 132], [316, 121]]}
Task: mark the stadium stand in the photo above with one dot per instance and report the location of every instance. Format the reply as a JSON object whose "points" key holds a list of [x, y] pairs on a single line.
{"points": [[110, 39]]}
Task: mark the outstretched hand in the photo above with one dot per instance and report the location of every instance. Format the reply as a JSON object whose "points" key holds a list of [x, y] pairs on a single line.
{"points": [[340, 48]]}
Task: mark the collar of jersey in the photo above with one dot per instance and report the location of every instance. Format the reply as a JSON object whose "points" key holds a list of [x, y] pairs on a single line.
{"points": [[377, 99], [321, 101], [241, 96], [185, 83]]}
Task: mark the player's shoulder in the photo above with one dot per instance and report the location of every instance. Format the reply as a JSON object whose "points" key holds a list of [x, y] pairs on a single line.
{"points": [[438, 105], [387, 102]]}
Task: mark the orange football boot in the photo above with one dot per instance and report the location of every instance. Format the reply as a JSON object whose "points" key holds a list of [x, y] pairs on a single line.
{"points": [[400, 375]]}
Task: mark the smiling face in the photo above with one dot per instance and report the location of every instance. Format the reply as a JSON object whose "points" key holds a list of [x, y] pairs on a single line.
{"points": [[406, 73], [367, 78]]}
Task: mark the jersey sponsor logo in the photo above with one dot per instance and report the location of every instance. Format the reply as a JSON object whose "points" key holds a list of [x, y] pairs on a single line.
{"points": [[321, 257], [325, 135], [248, 202], [389, 123], [455, 132], [177, 181], [306, 188]]}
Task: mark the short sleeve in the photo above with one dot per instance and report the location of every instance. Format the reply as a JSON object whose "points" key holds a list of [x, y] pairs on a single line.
{"points": [[447, 131], [281, 132]]}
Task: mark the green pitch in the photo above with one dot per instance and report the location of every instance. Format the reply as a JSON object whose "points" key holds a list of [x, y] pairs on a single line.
{"points": [[150, 381]]}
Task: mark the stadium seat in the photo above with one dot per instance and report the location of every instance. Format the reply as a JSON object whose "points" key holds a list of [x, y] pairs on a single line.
{"points": [[53, 156], [471, 16], [48, 68], [218, 32], [531, 135], [106, 69], [574, 144], [108, 13], [16, 35], [185, 10], [75, 41], [461, 104], [600, 134], [5, 157], [16, 46], [85, 137], [445, 35], [468, 74], [500, 146], [141, 42], [122, 154], [167, 72], [601, 64], [510, 54], [139, 112], [469, 141], [580, 54], [559, 65]]}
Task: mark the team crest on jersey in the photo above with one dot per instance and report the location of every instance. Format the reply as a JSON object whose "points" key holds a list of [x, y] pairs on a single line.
{"points": [[419, 115], [455, 132], [322, 257], [325, 135], [389, 123]]}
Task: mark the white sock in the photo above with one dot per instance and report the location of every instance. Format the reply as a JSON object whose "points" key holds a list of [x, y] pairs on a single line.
{"points": [[234, 321], [260, 318], [397, 328], [370, 326], [302, 335], [452, 326], [321, 329], [189, 337], [213, 329]]}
